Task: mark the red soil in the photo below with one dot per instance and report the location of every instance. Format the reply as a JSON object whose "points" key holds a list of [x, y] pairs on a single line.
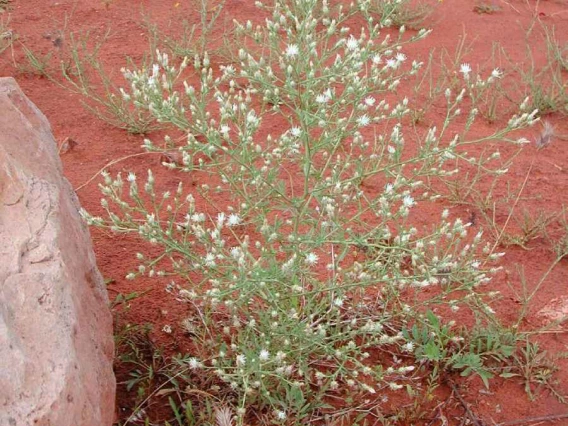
{"points": [[99, 144]]}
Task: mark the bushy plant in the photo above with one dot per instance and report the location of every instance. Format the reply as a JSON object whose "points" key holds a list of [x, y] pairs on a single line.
{"points": [[298, 252]]}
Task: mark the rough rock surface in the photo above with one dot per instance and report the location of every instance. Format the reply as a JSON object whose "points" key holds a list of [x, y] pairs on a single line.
{"points": [[555, 311], [56, 344]]}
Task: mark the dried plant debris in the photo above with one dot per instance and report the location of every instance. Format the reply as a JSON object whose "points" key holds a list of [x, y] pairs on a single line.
{"points": [[545, 137], [5, 5], [487, 8], [56, 37], [223, 416], [67, 145]]}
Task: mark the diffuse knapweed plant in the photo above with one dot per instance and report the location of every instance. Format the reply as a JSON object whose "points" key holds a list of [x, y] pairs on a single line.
{"points": [[298, 252]]}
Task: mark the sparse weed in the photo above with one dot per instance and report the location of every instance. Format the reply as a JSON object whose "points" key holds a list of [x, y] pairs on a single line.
{"points": [[546, 85], [37, 64], [531, 226], [556, 51], [537, 370], [402, 13], [560, 246], [85, 74], [194, 39], [7, 36]]}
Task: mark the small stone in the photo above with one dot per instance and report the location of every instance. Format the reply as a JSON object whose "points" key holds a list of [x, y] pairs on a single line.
{"points": [[555, 310]]}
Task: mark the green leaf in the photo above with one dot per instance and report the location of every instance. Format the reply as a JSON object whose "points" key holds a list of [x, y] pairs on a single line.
{"points": [[485, 376], [432, 351], [433, 320]]}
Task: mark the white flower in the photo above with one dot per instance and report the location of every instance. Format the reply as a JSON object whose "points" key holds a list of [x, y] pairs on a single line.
{"points": [[400, 57], [225, 130], [229, 70], [338, 302], [167, 329], [252, 118], [292, 50], [210, 260], [234, 219], [496, 73], [131, 177], [197, 217], [408, 201], [220, 219], [295, 131], [391, 63], [324, 98], [241, 360], [352, 43], [370, 101], [377, 59], [311, 259], [264, 355], [408, 347], [194, 364], [281, 415], [465, 69], [363, 121], [236, 253]]}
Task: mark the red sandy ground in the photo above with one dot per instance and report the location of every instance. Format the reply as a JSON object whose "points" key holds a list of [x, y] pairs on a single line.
{"points": [[99, 143]]}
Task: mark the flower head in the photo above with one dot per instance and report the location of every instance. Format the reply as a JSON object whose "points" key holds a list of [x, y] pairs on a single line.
{"points": [[363, 121], [496, 73], [311, 259], [352, 43], [292, 50], [408, 201], [400, 57], [233, 220], [465, 69], [241, 360], [194, 364], [295, 131], [264, 355]]}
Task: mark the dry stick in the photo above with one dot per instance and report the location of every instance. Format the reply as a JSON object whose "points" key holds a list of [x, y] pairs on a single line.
{"points": [[511, 6], [464, 404], [118, 160], [438, 408], [528, 420]]}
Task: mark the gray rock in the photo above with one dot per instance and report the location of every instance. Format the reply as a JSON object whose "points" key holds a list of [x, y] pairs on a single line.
{"points": [[56, 343]]}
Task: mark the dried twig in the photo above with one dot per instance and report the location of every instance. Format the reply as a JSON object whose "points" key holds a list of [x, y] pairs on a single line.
{"points": [[472, 417], [110, 163]]}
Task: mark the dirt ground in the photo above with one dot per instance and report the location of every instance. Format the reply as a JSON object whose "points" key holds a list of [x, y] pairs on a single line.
{"points": [[40, 23]]}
